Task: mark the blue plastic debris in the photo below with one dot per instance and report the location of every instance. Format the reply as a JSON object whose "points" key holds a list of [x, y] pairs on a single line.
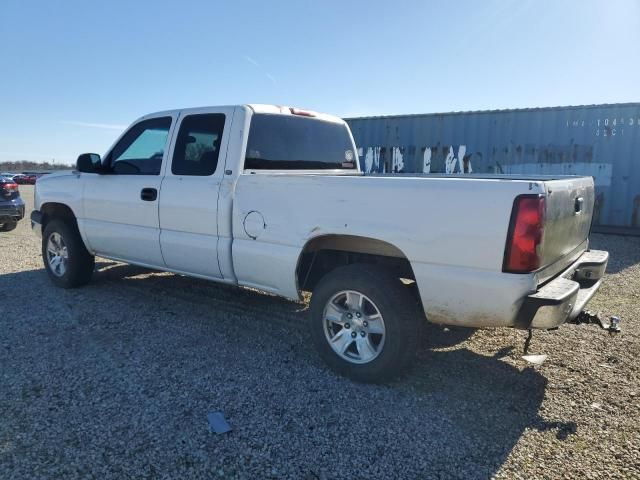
{"points": [[217, 422]]}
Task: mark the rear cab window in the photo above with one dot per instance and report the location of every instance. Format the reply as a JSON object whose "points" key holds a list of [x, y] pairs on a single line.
{"points": [[292, 142]]}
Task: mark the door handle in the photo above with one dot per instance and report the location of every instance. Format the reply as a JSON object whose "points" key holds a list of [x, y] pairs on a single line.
{"points": [[149, 194]]}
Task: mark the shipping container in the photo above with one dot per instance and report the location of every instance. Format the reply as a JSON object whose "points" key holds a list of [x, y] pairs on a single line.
{"points": [[602, 141]]}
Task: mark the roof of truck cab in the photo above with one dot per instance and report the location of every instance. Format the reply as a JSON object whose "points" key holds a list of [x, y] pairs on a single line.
{"points": [[255, 107]]}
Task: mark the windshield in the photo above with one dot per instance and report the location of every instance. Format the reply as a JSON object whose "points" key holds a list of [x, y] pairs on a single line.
{"points": [[289, 142]]}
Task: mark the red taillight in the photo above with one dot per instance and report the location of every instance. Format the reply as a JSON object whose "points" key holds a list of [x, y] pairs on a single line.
{"points": [[302, 113], [522, 252], [10, 187]]}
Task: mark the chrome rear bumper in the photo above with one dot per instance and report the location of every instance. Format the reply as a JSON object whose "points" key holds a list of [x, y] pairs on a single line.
{"points": [[563, 298]]}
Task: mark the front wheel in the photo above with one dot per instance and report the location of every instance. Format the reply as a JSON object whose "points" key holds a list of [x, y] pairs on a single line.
{"points": [[66, 259], [365, 324]]}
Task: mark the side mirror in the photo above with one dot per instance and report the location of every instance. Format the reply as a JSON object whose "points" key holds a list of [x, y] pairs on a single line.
{"points": [[89, 163]]}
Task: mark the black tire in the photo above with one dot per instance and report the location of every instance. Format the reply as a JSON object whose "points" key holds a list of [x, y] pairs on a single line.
{"points": [[403, 322], [80, 263], [8, 226]]}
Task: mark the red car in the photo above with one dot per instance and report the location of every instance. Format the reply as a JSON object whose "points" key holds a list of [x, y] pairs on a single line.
{"points": [[25, 179]]}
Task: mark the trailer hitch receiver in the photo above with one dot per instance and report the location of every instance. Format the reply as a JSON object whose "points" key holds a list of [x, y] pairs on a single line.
{"points": [[612, 325]]}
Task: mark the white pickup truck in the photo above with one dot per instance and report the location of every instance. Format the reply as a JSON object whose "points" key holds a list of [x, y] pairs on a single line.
{"points": [[273, 198]]}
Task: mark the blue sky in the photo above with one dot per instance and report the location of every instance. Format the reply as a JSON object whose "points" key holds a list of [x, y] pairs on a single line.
{"points": [[73, 74]]}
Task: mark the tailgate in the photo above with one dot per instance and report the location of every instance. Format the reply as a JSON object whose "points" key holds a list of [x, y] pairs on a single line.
{"points": [[569, 208]]}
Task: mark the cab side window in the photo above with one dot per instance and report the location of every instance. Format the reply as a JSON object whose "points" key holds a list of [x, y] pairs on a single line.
{"points": [[141, 149], [198, 145]]}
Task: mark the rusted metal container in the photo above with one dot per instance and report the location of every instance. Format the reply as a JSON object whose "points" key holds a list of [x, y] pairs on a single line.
{"points": [[598, 140]]}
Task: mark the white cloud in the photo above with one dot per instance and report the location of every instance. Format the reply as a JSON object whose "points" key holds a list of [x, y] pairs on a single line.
{"points": [[255, 63], [106, 126], [251, 60]]}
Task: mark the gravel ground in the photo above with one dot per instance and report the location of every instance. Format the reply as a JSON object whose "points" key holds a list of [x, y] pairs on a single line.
{"points": [[115, 380]]}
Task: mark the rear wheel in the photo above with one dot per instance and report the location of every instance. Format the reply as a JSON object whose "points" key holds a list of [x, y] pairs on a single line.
{"points": [[66, 259], [365, 324], [8, 226]]}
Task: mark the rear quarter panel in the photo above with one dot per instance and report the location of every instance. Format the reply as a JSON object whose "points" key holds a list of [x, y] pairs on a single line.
{"points": [[452, 230]]}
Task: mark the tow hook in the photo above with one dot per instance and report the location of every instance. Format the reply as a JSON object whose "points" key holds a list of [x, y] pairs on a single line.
{"points": [[586, 316]]}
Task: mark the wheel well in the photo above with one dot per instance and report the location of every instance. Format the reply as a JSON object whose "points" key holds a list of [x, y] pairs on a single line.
{"points": [[324, 254], [57, 210]]}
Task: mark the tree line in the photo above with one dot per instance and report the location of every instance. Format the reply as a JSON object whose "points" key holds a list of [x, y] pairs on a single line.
{"points": [[27, 166]]}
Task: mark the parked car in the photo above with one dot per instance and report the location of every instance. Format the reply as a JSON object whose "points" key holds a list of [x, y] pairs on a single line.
{"points": [[29, 178], [20, 179], [273, 198], [11, 205]]}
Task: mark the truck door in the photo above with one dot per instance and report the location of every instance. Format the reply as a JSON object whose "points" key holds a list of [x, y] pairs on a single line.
{"points": [[189, 192], [120, 218]]}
